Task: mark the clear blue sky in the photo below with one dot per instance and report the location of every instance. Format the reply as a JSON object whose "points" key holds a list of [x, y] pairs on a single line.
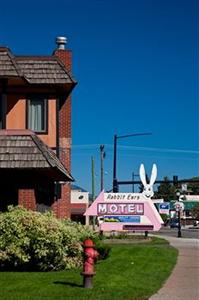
{"points": [[136, 63]]}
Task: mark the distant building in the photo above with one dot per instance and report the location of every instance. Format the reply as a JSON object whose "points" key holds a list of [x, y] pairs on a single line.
{"points": [[192, 197], [35, 130], [79, 204]]}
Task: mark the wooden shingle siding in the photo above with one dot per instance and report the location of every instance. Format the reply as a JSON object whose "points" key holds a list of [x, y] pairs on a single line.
{"points": [[34, 69], [14, 150], [28, 152], [21, 157], [7, 67]]}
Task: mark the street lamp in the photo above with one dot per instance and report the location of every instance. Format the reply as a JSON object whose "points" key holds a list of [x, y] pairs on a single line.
{"points": [[179, 206], [116, 137], [133, 177], [102, 156]]}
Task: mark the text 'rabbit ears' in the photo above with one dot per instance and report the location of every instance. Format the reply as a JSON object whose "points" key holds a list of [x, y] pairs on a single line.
{"points": [[143, 175]]}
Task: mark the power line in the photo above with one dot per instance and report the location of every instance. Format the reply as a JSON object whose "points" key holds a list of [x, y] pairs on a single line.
{"points": [[123, 147]]}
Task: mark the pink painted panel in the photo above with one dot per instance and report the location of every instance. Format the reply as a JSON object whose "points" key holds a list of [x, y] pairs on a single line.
{"points": [[148, 216]]}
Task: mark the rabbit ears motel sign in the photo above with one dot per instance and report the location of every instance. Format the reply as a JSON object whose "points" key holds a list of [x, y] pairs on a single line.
{"points": [[127, 211]]}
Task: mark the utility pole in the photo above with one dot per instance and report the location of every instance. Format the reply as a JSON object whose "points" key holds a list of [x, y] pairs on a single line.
{"points": [[93, 178], [133, 181], [102, 156], [115, 183], [93, 185]]}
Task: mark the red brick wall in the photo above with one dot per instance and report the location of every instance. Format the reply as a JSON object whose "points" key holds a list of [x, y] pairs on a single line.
{"points": [[62, 206], [26, 198], [75, 207], [66, 57]]}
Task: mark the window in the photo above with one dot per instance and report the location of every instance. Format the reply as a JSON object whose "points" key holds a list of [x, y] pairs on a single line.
{"points": [[37, 114]]}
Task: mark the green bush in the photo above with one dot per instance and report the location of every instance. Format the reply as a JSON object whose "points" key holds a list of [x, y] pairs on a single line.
{"points": [[102, 249], [34, 241]]}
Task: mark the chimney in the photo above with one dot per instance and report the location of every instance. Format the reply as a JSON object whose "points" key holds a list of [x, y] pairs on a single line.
{"points": [[61, 42], [64, 55]]}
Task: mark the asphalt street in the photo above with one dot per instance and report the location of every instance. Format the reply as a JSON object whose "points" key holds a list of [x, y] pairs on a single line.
{"points": [[192, 233]]}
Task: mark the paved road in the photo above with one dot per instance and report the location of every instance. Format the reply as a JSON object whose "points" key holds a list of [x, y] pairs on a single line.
{"points": [[192, 233], [183, 282]]}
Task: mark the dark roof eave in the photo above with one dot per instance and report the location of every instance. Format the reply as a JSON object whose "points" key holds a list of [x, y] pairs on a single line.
{"points": [[64, 177], [72, 86], [57, 174], [72, 83], [65, 86]]}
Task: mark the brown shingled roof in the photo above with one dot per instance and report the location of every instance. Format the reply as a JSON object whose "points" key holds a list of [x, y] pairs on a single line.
{"points": [[34, 69], [25, 150], [46, 70], [8, 67]]}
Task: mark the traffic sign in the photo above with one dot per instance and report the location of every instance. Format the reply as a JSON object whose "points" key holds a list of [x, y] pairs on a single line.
{"points": [[179, 206], [164, 208]]}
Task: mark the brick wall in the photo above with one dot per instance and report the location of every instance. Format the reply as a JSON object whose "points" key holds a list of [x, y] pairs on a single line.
{"points": [[66, 57], [62, 206], [26, 198]]}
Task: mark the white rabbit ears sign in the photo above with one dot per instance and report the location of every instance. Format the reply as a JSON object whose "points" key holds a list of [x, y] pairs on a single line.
{"points": [[148, 187], [128, 211]]}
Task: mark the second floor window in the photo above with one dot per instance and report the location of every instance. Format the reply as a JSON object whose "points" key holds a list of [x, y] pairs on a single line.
{"points": [[37, 114]]}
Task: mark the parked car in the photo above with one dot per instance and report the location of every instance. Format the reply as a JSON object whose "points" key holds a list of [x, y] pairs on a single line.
{"points": [[174, 223]]}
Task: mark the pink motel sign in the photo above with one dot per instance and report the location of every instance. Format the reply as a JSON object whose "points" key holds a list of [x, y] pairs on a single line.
{"points": [[120, 208], [125, 211]]}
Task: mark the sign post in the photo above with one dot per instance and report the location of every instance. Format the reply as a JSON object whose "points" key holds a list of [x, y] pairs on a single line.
{"points": [[179, 206]]}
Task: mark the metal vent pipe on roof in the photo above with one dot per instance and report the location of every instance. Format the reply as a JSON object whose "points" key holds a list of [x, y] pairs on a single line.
{"points": [[61, 42]]}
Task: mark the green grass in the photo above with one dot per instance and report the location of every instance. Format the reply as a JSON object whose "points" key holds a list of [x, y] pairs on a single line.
{"points": [[132, 272]]}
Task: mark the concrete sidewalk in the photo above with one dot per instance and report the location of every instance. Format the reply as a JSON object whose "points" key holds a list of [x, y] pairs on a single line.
{"points": [[183, 283]]}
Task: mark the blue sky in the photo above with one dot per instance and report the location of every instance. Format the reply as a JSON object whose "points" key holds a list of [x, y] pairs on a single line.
{"points": [[136, 63]]}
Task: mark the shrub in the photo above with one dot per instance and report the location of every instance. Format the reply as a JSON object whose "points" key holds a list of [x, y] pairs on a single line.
{"points": [[102, 248], [34, 241]]}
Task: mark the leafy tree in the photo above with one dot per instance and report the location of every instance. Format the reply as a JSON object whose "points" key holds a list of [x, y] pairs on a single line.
{"points": [[166, 190], [194, 186], [195, 212]]}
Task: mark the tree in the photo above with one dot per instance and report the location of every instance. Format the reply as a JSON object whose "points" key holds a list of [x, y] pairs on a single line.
{"points": [[195, 212], [166, 190], [194, 186]]}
